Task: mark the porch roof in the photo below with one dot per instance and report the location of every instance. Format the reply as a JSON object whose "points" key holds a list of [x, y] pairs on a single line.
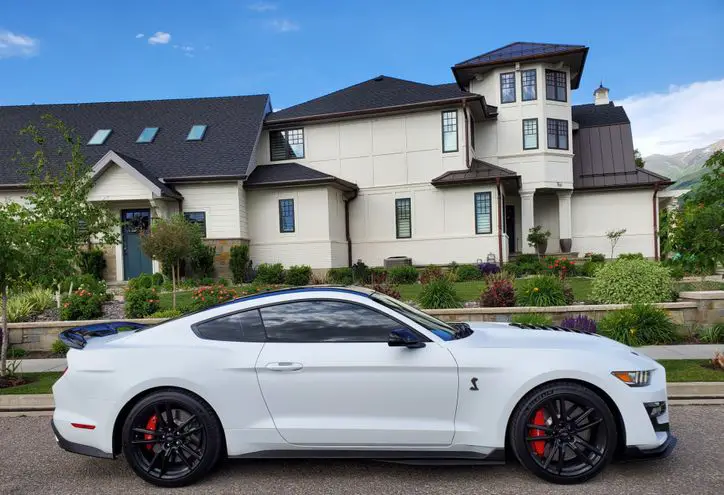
{"points": [[293, 174], [135, 168], [479, 172]]}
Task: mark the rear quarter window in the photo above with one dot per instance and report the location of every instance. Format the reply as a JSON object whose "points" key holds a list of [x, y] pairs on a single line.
{"points": [[237, 327]]}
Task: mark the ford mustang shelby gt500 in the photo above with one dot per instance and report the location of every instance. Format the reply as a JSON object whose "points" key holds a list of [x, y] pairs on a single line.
{"points": [[324, 372]]}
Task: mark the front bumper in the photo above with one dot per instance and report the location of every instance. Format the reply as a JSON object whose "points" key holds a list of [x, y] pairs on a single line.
{"points": [[663, 450], [77, 448]]}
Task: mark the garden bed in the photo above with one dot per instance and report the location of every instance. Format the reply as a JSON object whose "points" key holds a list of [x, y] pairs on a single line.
{"points": [[32, 383]]}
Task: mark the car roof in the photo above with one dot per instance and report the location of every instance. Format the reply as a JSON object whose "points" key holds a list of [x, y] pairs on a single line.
{"points": [[360, 291]]}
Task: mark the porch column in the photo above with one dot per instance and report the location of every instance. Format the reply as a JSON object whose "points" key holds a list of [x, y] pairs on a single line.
{"points": [[564, 219], [527, 219]]}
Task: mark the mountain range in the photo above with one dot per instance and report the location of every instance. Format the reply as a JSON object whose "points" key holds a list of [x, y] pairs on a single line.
{"points": [[685, 168]]}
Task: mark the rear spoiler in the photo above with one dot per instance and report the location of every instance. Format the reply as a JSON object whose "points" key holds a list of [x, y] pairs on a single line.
{"points": [[77, 337]]}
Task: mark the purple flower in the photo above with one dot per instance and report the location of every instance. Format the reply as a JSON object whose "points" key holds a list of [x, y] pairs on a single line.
{"points": [[488, 268], [580, 322]]}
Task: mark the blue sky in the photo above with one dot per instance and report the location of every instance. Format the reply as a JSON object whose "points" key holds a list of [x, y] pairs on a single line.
{"points": [[296, 50]]}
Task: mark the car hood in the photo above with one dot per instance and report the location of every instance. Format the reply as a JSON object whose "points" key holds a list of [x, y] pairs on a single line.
{"points": [[507, 336]]}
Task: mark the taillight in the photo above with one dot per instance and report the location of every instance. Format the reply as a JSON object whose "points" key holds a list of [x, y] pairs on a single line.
{"points": [[83, 426]]}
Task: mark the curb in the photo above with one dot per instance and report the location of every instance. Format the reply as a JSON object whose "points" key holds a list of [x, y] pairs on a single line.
{"points": [[684, 393]]}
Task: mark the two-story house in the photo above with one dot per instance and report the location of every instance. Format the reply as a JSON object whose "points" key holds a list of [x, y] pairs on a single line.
{"points": [[388, 167]]}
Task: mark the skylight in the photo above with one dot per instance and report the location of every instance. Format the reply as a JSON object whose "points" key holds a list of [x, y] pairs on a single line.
{"points": [[196, 133], [147, 135], [100, 136]]}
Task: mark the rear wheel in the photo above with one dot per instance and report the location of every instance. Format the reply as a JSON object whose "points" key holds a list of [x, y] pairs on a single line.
{"points": [[564, 433], [172, 438]]}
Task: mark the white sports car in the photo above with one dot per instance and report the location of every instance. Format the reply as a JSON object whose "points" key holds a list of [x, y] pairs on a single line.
{"points": [[325, 372]]}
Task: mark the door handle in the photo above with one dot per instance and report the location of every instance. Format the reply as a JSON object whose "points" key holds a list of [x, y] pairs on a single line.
{"points": [[284, 366]]}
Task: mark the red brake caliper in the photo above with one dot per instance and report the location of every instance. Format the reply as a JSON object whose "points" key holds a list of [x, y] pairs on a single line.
{"points": [[151, 425], [539, 446]]}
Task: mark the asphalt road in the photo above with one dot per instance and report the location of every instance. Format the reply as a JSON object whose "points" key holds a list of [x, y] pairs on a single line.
{"points": [[30, 462]]}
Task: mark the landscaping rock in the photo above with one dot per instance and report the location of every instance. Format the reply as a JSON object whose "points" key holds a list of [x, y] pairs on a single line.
{"points": [[113, 310]]}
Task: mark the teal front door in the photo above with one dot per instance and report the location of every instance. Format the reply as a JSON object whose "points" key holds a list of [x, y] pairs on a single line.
{"points": [[134, 261]]}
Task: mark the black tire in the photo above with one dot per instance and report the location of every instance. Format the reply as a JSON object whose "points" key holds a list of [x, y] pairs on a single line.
{"points": [[584, 436], [175, 453]]}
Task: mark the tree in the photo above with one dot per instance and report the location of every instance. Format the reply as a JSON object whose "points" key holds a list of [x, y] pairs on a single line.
{"points": [[639, 159], [694, 232], [170, 241], [12, 260], [613, 238]]}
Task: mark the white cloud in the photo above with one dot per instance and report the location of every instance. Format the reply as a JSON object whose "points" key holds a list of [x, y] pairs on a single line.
{"points": [[683, 118], [160, 38], [17, 45], [284, 25], [262, 7], [140, 35]]}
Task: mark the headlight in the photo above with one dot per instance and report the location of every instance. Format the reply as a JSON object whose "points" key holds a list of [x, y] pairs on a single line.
{"points": [[634, 378]]}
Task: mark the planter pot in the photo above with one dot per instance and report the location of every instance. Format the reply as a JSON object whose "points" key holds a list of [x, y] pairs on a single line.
{"points": [[565, 245], [541, 247]]}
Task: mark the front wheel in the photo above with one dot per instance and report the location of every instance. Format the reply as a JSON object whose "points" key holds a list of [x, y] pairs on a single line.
{"points": [[564, 433], [172, 438]]}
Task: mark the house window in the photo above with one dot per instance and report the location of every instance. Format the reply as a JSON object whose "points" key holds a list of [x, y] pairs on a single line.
{"points": [[403, 218], [286, 215], [483, 213], [287, 144], [557, 134], [507, 87], [449, 131], [556, 85], [197, 218], [528, 85], [530, 134]]}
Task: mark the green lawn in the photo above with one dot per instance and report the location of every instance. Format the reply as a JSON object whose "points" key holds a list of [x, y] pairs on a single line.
{"points": [[183, 298], [691, 370], [40, 383]]}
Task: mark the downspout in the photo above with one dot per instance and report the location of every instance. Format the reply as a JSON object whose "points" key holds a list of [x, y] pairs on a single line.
{"points": [[500, 224], [346, 227], [656, 222], [467, 135]]}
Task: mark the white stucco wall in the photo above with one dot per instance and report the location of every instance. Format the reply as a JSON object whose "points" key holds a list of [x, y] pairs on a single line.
{"points": [[595, 213], [221, 203]]}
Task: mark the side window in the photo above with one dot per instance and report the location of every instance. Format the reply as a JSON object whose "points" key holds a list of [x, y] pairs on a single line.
{"points": [[238, 327], [326, 321]]}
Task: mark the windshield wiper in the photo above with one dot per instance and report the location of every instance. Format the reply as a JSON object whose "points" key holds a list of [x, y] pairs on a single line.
{"points": [[462, 330]]}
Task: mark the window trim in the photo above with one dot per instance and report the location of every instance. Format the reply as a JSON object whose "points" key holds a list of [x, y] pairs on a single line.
{"points": [[287, 157], [442, 131], [397, 218], [475, 212], [558, 134], [195, 222], [565, 85], [294, 217], [535, 85], [500, 82], [537, 134]]}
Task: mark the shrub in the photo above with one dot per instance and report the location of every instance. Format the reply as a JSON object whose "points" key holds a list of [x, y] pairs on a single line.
{"points": [[439, 294], [453, 267], [632, 281], [361, 273], [676, 271], [388, 290], [588, 268], [81, 304], [596, 257], [378, 275], [202, 282], [59, 348], [561, 267], [713, 334], [486, 269], [16, 353], [167, 313], [141, 302], [542, 290], [630, 256], [240, 264], [498, 294], [402, 274], [222, 281], [268, 273], [157, 279], [640, 324], [84, 281], [143, 281], [430, 273], [201, 259], [525, 264], [205, 297], [465, 273], [298, 275], [25, 305], [580, 322], [340, 276], [531, 319], [92, 262]]}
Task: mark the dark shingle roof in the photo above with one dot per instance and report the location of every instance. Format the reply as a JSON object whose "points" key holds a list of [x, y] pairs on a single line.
{"points": [[478, 172], [292, 174], [518, 51], [228, 147], [382, 92], [592, 115]]}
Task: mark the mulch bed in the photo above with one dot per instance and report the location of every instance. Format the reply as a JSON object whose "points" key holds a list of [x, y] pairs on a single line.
{"points": [[14, 381]]}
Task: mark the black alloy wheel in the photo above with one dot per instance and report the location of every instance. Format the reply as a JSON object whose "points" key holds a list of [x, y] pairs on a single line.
{"points": [[564, 433], [172, 438]]}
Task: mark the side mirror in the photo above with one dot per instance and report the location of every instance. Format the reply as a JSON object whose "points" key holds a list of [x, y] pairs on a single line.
{"points": [[404, 338]]}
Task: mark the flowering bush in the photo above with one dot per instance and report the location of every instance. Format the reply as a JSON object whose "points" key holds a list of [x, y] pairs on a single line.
{"points": [[561, 267], [141, 302], [580, 322], [82, 304], [430, 273], [542, 290], [499, 293], [488, 269], [205, 297]]}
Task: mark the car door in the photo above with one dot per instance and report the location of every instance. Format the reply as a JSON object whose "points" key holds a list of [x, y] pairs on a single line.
{"points": [[329, 378]]}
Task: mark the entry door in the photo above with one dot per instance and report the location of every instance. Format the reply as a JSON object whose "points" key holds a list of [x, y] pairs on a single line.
{"points": [[510, 227], [134, 261], [329, 378]]}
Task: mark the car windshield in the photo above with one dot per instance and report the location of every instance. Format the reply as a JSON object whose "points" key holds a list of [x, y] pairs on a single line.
{"points": [[443, 330]]}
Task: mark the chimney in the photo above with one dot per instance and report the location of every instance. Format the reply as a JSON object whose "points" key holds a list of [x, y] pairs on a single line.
{"points": [[600, 96]]}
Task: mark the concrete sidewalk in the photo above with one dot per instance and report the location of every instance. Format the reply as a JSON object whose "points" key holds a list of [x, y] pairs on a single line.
{"points": [[694, 351]]}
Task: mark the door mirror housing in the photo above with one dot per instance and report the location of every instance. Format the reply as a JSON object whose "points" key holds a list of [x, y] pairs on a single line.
{"points": [[404, 338]]}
